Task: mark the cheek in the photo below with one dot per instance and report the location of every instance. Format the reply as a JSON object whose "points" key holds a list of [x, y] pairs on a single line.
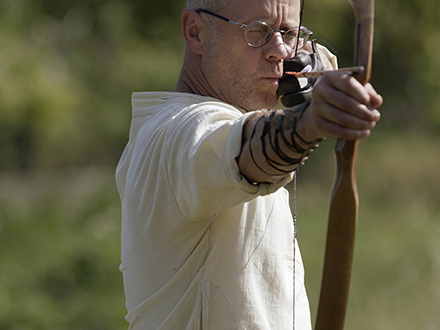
{"points": [[236, 54], [241, 67], [227, 68]]}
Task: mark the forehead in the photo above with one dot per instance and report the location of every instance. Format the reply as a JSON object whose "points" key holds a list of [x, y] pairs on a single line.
{"points": [[274, 12]]}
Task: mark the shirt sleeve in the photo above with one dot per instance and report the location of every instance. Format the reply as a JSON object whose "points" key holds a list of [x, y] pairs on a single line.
{"points": [[201, 169], [329, 60]]}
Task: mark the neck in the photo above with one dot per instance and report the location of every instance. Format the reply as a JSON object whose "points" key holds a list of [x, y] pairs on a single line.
{"points": [[191, 79]]}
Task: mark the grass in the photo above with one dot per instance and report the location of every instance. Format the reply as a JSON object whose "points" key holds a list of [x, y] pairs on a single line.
{"points": [[396, 275], [59, 249], [59, 241]]}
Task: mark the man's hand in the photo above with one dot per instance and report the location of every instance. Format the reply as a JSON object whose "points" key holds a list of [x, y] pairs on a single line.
{"points": [[278, 142], [341, 107]]}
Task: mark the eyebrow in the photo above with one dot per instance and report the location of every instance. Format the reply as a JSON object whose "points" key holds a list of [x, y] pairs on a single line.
{"points": [[270, 22]]}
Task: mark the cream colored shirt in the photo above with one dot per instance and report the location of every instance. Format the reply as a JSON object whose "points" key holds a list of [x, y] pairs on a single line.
{"points": [[202, 248]]}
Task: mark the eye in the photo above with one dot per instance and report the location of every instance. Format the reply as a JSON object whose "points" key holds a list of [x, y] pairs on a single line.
{"points": [[292, 33], [290, 37], [257, 33]]}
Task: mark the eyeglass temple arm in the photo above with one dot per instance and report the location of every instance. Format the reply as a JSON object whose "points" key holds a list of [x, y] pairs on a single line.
{"points": [[220, 17]]}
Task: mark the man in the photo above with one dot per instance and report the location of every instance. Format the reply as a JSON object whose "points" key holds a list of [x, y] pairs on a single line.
{"points": [[207, 233]]}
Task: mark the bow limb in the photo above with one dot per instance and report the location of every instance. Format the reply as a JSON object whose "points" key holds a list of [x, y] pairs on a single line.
{"points": [[343, 212]]}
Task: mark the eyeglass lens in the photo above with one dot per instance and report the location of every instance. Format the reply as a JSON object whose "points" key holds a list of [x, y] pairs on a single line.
{"points": [[258, 33]]}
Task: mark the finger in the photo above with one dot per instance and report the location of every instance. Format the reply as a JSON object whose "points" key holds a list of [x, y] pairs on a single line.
{"points": [[330, 129], [346, 119], [348, 85], [350, 105], [376, 99], [345, 102]]}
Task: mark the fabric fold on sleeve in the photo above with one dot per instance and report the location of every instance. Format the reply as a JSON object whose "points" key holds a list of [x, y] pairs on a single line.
{"points": [[203, 171]]}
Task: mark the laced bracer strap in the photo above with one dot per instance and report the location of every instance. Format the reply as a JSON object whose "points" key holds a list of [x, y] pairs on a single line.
{"points": [[282, 148]]}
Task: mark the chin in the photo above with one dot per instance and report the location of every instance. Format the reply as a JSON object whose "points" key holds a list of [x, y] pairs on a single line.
{"points": [[262, 102]]}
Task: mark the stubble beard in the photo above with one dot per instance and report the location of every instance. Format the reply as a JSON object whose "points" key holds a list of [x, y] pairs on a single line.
{"points": [[238, 89], [233, 83], [251, 96], [254, 100]]}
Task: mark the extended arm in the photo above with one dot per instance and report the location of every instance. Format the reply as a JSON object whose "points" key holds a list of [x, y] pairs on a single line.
{"points": [[272, 146], [278, 142]]}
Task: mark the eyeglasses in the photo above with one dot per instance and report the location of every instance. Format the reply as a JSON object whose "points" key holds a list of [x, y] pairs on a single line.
{"points": [[258, 33]]}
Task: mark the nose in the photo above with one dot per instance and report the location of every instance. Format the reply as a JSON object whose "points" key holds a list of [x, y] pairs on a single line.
{"points": [[276, 49]]}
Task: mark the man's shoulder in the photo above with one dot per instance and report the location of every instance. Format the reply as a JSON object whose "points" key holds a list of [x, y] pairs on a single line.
{"points": [[329, 60], [150, 101], [176, 104]]}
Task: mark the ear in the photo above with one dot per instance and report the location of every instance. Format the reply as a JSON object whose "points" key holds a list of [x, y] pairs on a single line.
{"points": [[192, 26]]}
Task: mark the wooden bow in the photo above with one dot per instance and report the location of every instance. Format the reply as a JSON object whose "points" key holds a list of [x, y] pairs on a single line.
{"points": [[343, 211]]}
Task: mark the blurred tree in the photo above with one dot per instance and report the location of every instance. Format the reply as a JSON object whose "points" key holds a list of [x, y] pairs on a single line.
{"points": [[405, 64], [68, 69], [68, 73]]}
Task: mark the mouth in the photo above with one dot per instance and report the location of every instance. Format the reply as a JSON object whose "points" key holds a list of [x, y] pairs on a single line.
{"points": [[274, 80]]}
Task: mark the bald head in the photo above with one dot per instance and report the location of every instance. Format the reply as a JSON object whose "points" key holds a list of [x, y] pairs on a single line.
{"points": [[207, 4], [218, 61]]}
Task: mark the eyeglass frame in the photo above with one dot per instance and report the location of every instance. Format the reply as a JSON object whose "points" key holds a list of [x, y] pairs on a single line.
{"points": [[243, 26]]}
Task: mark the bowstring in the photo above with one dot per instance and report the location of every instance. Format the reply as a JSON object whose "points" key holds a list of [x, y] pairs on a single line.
{"points": [[294, 185], [294, 247], [301, 12]]}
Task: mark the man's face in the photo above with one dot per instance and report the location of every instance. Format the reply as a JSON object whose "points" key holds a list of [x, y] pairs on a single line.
{"points": [[242, 75]]}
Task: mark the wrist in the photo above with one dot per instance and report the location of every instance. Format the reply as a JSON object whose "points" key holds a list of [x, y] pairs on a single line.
{"points": [[306, 129]]}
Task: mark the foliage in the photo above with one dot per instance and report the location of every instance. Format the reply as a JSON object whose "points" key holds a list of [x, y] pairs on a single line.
{"points": [[396, 274], [59, 248], [68, 69], [405, 61], [59, 242], [67, 78]]}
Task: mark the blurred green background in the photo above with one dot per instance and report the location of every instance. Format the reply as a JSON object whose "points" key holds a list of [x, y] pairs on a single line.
{"points": [[67, 71]]}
